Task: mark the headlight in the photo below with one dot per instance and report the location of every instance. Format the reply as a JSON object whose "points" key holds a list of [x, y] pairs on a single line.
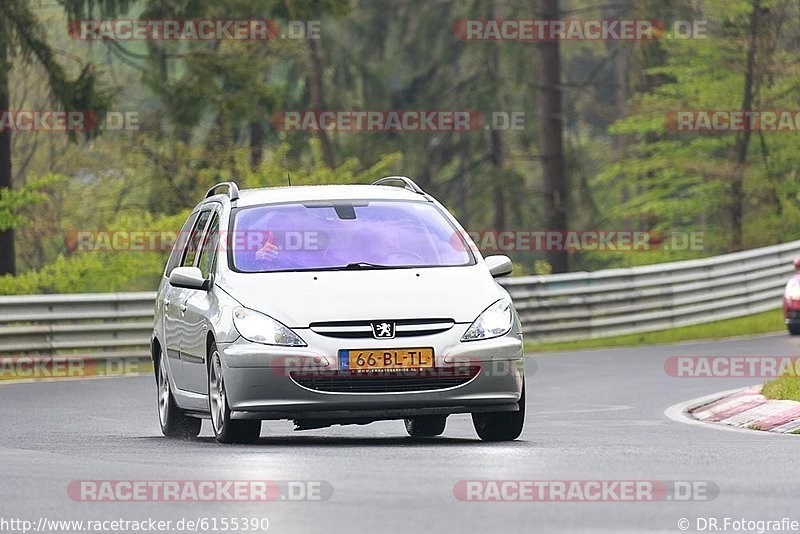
{"points": [[495, 321], [793, 289], [260, 328]]}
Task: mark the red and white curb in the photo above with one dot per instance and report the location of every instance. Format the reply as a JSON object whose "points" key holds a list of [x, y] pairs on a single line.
{"points": [[749, 409]]}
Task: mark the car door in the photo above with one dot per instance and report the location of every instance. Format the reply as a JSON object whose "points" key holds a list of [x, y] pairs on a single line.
{"points": [[171, 303], [198, 304], [176, 311]]}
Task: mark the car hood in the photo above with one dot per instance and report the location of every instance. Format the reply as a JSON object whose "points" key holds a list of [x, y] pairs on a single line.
{"points": [[300, 298]]}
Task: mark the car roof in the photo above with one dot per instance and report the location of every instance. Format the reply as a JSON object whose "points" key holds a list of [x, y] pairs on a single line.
{"points": [[301, 193]]}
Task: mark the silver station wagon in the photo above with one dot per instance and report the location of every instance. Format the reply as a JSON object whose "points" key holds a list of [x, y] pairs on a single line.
{"points": [[328, 305]]}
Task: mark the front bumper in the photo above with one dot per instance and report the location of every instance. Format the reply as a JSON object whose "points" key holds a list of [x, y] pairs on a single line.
{"points": [[791, 313], [259, 379]]}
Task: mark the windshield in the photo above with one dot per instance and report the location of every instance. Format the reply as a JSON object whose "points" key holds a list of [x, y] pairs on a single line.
{"points": [[345, 235]]}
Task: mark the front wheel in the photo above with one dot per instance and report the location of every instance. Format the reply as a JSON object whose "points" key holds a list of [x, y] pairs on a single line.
{"points": [[174, 423], [226, 430], [501, 426], [426, 426], [794, 329]]}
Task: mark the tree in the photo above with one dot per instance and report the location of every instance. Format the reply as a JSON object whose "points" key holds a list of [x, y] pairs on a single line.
{"points": [[22, 38], [552, 154], [741, 193], [308, 11], [743, 139]]}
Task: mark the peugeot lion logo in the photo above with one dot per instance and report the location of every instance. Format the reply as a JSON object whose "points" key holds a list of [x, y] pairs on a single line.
{"points": [[383, 329]]}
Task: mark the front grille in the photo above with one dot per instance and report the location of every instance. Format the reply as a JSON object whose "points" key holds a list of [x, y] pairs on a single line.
{"points": [[363, 329], [386, 382]]}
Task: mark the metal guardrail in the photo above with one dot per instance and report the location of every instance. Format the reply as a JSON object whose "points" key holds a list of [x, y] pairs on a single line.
{"points": [[95, 325], [576, 306], [552, 308]]}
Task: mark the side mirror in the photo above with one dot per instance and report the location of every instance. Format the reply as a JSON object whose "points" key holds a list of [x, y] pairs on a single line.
{"points": [[797, 263], [499, 265], [188, 278]]}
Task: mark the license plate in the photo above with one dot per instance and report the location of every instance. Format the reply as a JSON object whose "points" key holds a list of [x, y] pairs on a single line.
{"points": [[380, 359]]}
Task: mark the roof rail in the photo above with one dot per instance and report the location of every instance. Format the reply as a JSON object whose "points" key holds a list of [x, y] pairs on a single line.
{"points": [[233, 190], [408, 183]]}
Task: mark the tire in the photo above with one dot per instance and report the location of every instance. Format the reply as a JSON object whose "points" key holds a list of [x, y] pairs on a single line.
{"points": [[226, 430], [426, 426], [501, 426], [174, 423], [794, 329]]}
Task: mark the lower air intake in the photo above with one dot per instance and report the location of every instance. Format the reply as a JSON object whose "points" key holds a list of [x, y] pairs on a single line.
{"points": [[386, 382]]}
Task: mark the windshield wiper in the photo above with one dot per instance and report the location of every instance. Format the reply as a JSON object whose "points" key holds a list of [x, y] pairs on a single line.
{"points": [[355, 266], [364, 265]]}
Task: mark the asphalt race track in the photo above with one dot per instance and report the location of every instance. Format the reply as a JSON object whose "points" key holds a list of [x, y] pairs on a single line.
{"points": [[591, 416]]}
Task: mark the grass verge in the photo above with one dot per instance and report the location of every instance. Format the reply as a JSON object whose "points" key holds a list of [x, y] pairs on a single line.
{"points": [[783, 388], [762, 323]]}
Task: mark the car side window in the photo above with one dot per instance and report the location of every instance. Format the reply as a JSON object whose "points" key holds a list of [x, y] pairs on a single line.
{"points": [[194, 239], [210, 246], [180, 244]]}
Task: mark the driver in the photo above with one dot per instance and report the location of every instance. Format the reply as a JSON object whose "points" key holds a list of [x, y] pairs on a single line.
{"points": [[276, 231]]}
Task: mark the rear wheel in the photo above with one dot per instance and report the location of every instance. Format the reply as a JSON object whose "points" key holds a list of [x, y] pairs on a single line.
{"points": [[174, 423], [426, 426], [226, 430], [794, 329], [501, 426]]}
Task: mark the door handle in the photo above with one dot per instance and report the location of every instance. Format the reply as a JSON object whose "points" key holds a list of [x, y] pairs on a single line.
{"points": [[183, 308], [167, 302]]}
